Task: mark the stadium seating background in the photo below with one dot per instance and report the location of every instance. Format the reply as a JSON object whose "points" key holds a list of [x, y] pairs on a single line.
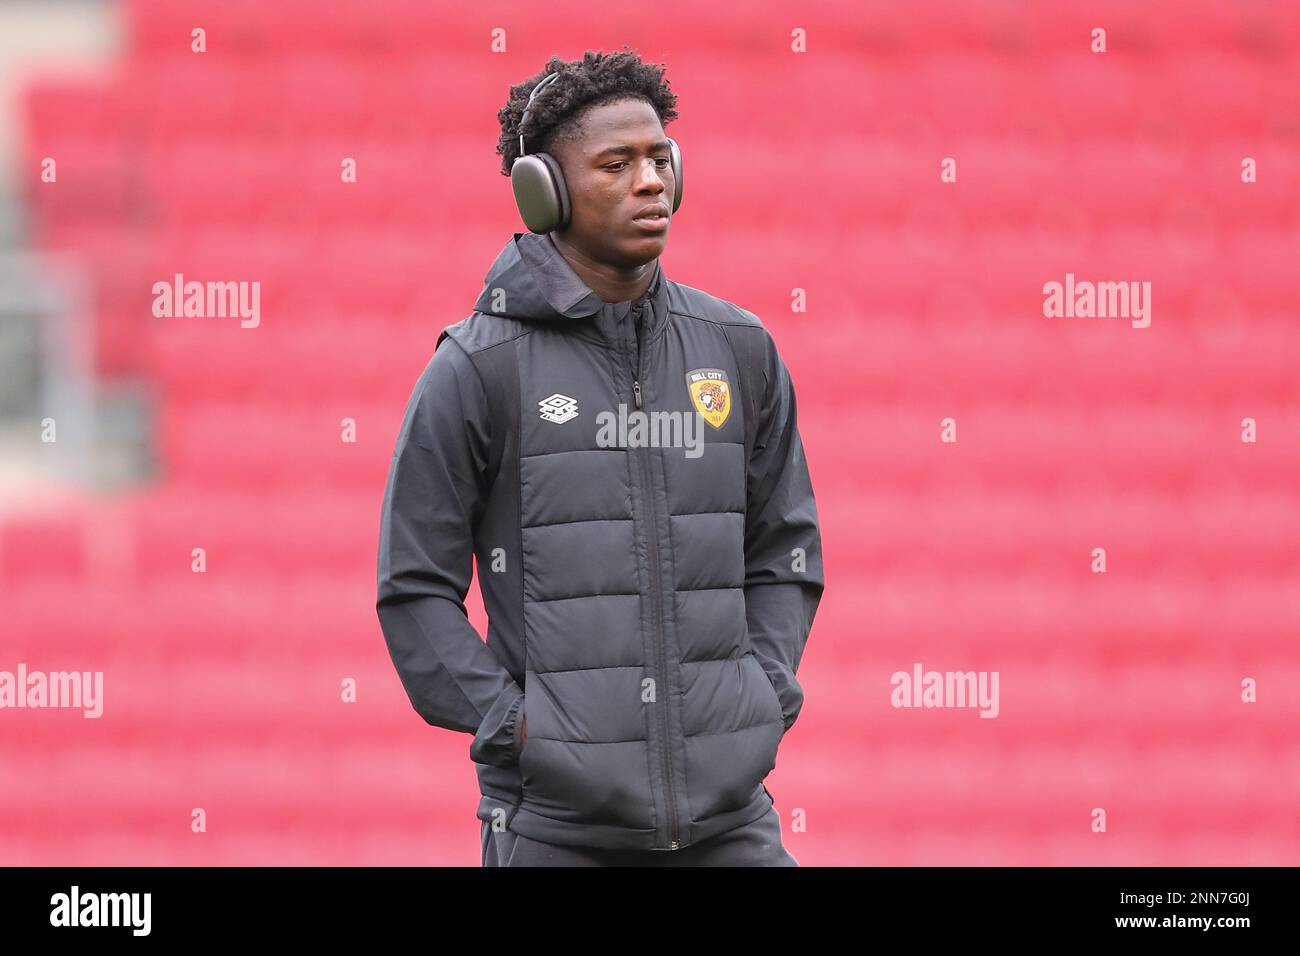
{"points": [[817, 171]]}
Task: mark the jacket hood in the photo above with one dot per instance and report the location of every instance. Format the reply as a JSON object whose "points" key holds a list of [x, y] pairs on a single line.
{"points": [[532, 281]]}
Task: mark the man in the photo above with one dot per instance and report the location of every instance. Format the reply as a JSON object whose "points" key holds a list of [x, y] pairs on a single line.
{"points": [[648, 600]]}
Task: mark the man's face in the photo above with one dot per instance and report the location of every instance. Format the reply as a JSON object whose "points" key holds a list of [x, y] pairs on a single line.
{"points": [[620, 164]]}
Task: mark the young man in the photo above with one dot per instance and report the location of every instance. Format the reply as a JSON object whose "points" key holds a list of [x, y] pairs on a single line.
{"points": [[620, 454]]}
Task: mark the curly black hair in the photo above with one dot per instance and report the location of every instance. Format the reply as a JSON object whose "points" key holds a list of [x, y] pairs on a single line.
{"points": [[557, 112]]}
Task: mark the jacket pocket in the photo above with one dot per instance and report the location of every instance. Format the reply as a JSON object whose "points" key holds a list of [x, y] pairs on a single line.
{"points": [[775, 709], [727, 769], [520, 721], [570, 778], [521, 745]]}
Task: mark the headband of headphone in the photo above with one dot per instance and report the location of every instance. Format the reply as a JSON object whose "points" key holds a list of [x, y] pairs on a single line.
{"points": [[538, 182], [528, 106]]}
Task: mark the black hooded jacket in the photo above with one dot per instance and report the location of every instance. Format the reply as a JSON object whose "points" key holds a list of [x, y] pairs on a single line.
{"points": [[648, 551]]}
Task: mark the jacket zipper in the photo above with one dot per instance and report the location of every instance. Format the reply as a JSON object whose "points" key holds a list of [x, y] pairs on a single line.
{"points": [[653, 542]]}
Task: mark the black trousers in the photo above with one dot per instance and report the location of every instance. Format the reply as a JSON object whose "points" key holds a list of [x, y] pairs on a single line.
{"points": [[754, 844]]}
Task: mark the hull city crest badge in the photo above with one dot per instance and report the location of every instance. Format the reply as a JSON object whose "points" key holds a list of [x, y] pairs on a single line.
{"points": [[710, 393]]}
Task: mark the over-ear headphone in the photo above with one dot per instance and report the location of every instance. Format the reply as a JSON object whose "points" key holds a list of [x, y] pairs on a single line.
{"points": [[538, 183]]}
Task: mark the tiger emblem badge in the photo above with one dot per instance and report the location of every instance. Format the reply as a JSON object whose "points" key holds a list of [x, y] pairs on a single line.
{"points": [[711, 394]]}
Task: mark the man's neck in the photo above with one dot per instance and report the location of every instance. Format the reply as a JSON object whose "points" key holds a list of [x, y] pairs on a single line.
{"points": [[608, 282]]}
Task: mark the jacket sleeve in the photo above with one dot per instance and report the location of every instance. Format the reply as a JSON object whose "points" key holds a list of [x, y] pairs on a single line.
{"points": [[783, 558], [431, 503]]}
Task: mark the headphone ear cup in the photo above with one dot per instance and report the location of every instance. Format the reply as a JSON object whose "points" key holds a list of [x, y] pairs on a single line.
{"points": [[561, 189], [677, 172], [540, 192]]}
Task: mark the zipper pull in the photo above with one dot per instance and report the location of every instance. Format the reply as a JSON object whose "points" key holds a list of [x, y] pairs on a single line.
{"points": [[636, 390]]}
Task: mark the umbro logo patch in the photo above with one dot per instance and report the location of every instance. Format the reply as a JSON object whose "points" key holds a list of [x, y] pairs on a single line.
{"points": [[558, 408]]}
